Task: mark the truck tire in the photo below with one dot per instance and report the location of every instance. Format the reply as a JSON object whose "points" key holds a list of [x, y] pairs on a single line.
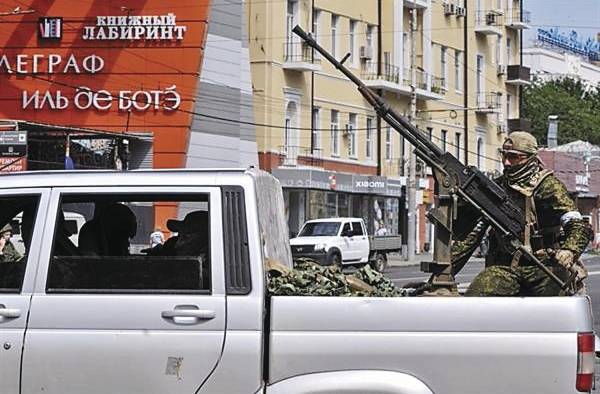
{"points": [[379, 264], [334, 257]]}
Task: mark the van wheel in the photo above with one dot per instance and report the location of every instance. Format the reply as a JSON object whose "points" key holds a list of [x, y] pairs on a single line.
{"points": [[335, 259], [380, 262]]}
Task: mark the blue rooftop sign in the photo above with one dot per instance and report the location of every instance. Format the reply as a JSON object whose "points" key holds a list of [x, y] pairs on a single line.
{"points": [[571, 42]]}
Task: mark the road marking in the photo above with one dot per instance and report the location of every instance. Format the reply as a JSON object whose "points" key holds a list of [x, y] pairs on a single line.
{"points": [[593, 273]]}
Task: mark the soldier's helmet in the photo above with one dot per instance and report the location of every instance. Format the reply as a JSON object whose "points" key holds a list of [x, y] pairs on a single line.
{"points": [[520, 142]]}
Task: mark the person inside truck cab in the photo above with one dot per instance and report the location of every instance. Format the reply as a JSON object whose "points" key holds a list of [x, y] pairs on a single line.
{"points": [[192, 237], [8, 252], [109, 232]]}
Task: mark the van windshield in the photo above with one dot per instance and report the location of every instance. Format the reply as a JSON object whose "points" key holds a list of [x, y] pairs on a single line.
{"points": [[319, 229]]}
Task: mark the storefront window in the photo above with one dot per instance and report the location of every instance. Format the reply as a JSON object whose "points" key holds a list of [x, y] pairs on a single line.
{"points": [[316, 203], [295, 209], [392, 214], [343, 205]]}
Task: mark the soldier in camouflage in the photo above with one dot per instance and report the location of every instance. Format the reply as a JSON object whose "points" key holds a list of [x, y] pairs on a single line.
{"points": [[554, 231], [8, 253]]}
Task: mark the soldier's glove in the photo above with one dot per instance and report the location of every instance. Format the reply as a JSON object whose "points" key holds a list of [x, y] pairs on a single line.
{"points": [[565, 257]]}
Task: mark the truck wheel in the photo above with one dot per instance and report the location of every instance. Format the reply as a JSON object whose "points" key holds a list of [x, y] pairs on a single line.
{"points": [[380, 262], [335, 258]]}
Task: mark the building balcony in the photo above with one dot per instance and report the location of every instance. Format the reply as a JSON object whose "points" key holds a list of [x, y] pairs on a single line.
{"points": [[385, 76], [428, 86], [416, 4], [300, 156], [518, 124], [515, 19], [298, 56], [488, 102], [390, 78], [518, 75], [489, 22]]}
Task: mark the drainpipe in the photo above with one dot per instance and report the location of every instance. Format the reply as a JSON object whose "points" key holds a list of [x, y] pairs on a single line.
{"points": [[312, 87], [466, 82], [379, 156]]}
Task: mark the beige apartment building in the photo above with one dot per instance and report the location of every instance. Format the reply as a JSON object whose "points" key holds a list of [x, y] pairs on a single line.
{"points": [[324, 142]]}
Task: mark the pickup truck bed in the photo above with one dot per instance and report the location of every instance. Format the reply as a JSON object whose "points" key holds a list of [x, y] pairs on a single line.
{"points": [[450, 345]]}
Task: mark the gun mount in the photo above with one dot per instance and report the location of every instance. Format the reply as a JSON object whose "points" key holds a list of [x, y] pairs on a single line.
{"points": [[463, 194]]}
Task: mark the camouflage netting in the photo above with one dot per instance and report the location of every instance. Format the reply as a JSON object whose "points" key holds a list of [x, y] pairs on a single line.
{"points": [[308, 278]]}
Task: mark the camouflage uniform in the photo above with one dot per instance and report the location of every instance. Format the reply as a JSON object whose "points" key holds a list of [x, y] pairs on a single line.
{"points": [[554, 224], [9, 254]]}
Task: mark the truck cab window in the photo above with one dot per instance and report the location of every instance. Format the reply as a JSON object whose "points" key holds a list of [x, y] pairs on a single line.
{"points": [[357, 228], [17, 217], [131, 244], [346, 229]]}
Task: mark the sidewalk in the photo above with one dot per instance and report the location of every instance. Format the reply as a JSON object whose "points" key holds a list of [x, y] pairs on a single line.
{"points": [[396, 260]]}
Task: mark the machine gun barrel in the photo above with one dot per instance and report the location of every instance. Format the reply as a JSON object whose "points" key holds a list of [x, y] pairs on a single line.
{"points": [[470, 184], [425, 149]]}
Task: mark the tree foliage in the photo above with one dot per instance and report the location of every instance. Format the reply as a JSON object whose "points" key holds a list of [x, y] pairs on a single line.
{"points": [[578, 119]]}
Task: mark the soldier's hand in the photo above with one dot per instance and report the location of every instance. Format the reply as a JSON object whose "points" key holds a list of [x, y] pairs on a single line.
{"points": [[566, 258]]}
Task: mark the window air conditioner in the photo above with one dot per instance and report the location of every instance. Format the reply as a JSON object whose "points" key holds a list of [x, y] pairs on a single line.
{"points": [[366, 52], [490, 18], [449, 9], [461, 11]]}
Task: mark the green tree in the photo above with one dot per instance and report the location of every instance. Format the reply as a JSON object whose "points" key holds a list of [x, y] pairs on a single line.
{"points": [[578, 119]]}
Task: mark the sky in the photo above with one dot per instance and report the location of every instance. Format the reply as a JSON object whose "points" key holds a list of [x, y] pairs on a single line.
{"points": [[582, 16]]}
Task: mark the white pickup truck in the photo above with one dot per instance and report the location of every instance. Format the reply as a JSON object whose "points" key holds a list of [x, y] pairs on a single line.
{"points": [[340, 241], [192, 316]]}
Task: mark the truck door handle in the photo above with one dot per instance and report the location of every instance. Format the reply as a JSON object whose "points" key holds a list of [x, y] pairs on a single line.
{"points": [[200, 314], [9, 313]]}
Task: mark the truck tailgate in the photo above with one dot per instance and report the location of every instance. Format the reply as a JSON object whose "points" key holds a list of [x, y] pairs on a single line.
{"points": [[453, 345]]}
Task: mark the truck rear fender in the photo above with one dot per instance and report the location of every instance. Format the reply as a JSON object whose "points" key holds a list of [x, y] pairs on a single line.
{"points": [[351, 382]]}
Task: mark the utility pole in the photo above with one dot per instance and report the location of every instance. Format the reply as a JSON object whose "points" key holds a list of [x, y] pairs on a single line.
{"points": [[412, 159]]}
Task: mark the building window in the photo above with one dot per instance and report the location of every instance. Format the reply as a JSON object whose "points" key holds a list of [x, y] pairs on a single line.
{"points": [[352, 42], [370, 35], [508, 51], [508, 99], [334, 23], [315, 24], [498, 49], [335, 132], [388, 143], [316, 131], [444, 137], [458, 70], [457, 145], [369, 148], [290, 23], [430, 133], [479, 82], [443, 70], [479, 153], [352, 135]]}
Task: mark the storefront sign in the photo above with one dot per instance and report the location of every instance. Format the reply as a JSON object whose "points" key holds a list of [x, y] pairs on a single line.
{"points": [[13, 144], [50, 64], [103, 100], [11, 164], [589, 48], [50, 28], [351, 183], [135, 27]]}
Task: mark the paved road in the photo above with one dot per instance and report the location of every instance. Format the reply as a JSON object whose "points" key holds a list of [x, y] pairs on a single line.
{"points": [[402, 275]]}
